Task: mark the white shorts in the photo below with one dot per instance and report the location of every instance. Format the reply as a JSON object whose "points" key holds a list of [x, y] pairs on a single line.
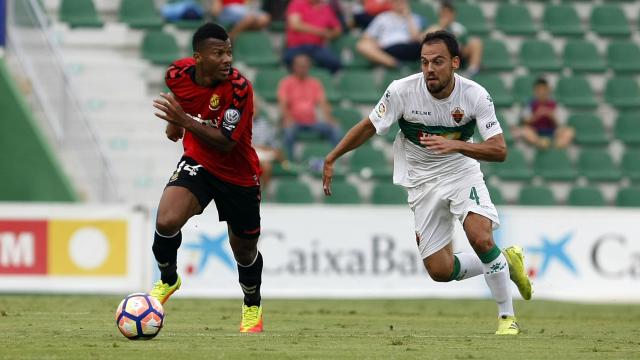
{"points": [[436, 205]]}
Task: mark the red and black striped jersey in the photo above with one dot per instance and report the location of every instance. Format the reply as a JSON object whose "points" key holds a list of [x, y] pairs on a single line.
{"points": [[227, 106]]}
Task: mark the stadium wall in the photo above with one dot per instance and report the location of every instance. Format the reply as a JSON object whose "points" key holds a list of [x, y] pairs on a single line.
{"points": [[30, 170], [577, 254]]}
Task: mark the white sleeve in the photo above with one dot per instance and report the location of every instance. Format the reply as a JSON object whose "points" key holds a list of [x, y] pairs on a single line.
{"points": [[486, 119], [388, 110]]}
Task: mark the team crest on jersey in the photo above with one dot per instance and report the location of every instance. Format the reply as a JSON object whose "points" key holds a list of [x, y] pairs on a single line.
{"points": [[214, 103], [457, 114]]}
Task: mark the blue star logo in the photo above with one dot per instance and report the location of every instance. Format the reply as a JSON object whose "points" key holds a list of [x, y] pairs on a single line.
{"points": [[551, 250], [212, 246]]}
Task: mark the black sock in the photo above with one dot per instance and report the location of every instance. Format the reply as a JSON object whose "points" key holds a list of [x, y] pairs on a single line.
{"points": [[165, 249], [250, 278]]}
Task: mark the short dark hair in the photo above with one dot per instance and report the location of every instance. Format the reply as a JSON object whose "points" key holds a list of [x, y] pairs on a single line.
{"points": [[444, 36], [208, 31], [541, 81], [448, 5]]}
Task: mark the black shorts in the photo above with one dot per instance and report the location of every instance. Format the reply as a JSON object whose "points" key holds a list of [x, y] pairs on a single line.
{"points": [[238, 205]]}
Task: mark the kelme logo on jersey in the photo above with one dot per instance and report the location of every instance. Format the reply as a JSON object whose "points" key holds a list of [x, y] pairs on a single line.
{"points": [[457, 114], [214, 103]]}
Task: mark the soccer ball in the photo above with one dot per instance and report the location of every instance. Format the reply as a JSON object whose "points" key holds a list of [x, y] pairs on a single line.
{"points": [[139, 316]]}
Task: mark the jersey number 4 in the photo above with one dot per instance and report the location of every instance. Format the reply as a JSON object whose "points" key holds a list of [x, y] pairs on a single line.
{"points": [[473, 195]]}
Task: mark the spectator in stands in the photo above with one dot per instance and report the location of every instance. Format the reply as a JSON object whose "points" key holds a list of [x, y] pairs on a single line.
{"points": [[393, 36], [310, 25], [265, 142], [539, 123], [299, 97], [470, 47], [240, 14], [364, 13]]}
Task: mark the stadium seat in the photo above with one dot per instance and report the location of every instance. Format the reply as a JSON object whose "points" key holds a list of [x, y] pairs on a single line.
{"points": [[628, 197], [387, 193], [291, 170], [576, 92], [506, 128], [588, 129], [622, 92], [315, 151], [426, 11], [515, 167], [536, 196], [554, 165], [293, 192], [623, 56], [514, 19], [597, 165], [609, 20], [390, 136], [266, 83], [472, 17], [585, 196], [582, 56], [523, 88], [368, 162], [160, 48], [627, 128], [348, 117], [140, 14], [348, 42], [395, 74], [79, 13], [342, 192], [359, 86], [495, 56], [496, 88], [496, 196], [330, 91], [254, 49], [630, 165], [190, 25], [538, 55], [562, 20]]}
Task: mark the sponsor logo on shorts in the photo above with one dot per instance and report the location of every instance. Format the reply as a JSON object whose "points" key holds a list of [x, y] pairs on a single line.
{"points": [[192, 170]]}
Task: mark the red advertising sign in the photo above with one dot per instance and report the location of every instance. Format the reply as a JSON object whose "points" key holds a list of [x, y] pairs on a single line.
{"points": [[23, 247]]}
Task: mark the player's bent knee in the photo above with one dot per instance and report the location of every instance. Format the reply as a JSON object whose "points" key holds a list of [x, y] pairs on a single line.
{"points": [[168, 224], [439, 272], [481, 241]]}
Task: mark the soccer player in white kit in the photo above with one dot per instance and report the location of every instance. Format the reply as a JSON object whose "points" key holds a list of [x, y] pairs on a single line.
{"points": [[436, 161]]}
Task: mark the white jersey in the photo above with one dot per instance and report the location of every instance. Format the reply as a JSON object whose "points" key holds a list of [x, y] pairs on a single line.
{"points": [[408, 102]]}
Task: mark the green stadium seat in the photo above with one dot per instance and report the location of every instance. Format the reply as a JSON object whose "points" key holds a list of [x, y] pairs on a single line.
{"points": [[496, 88], [266, 83], [160, 48], [388, 194], [554, 165], [609, 20], [630, 165], [523, 88], [582, 56], [506, 128], [140, 14], [79, 13], [315, 151], [330, 91], [293, 192], [496, 196], [514, 19], [342, 192], [585, 196], [254, 49], [597, 165], [627, 128], [359, 86], [348, 117], [575, 92], [536, 196], [588, 129], [628, 197], [538, 55], [291, 170], [425, 10], [622, 92], [278, 26], [515, 167], [623, 56], [472, 17], [562, 20], [390, 136], [190, 25], [347, 43], [370, 163], [395, 74], [495, 56]]}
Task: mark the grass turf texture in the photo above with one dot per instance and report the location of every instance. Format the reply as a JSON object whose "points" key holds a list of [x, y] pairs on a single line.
{"points": [[83, 327]]}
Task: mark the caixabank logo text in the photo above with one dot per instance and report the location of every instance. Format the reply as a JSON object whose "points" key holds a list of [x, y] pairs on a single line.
{"points": [[63, 247]]}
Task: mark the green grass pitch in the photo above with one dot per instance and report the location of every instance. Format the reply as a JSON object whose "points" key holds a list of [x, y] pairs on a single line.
{"points": [[83, 327]]}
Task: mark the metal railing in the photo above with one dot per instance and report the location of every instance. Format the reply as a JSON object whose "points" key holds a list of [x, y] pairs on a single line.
{"points": [[30, 47]]}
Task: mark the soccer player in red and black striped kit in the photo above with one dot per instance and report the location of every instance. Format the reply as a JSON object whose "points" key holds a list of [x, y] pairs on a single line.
{"points": [[210, 107]]}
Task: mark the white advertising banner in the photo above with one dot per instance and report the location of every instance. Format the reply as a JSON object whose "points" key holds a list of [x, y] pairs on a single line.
{"points": [[364, 251], [71, 248]]}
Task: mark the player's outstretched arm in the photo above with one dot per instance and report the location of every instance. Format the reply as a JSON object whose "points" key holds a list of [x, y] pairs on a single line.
{"points": [[355, 137], [492, 149]]}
